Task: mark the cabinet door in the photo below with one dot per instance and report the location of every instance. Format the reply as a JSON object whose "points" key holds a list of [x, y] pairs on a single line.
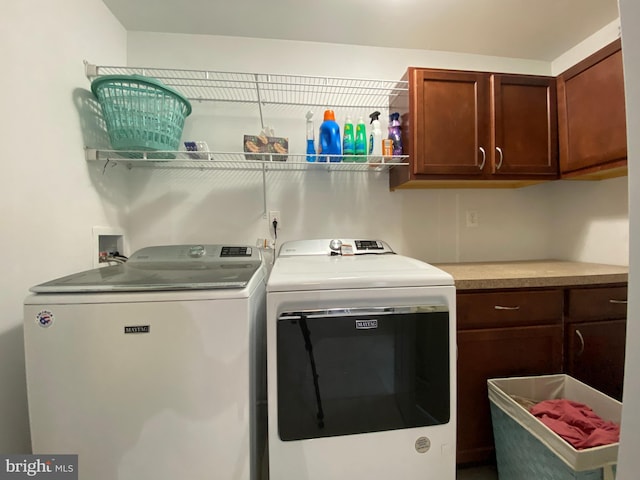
{"points": [[591, 113], [595, 354], [450, 122], [524, 125], [492, 353]]}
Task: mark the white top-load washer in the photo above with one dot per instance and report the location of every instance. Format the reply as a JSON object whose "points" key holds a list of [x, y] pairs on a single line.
{"points": [[361, 357], [152, 369]]}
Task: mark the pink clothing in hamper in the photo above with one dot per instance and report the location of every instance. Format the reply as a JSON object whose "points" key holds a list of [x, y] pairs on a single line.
{"points": [[576, 423]]}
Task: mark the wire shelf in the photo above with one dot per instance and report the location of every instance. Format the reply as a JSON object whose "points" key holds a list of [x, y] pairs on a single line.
{"points": [[267, 89], [238, 161]]}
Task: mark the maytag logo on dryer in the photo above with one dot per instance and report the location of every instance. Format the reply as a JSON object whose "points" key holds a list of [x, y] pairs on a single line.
{"points": [[366, 324], [137, 329]]}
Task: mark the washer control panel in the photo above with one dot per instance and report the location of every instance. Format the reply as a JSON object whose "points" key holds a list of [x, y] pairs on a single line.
{"points": [[208, 254], [236, 252]]}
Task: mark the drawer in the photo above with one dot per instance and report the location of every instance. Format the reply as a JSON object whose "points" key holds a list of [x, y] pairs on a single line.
{"points": [[599, 303], [509, 308]]}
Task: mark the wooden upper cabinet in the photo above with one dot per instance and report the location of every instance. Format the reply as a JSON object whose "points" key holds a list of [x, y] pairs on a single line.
{"points": [[461, 126], [591, 114], [449, 127], [524, 125]]}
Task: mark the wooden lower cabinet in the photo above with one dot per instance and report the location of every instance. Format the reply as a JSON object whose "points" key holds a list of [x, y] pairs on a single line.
{"points": [[595, 337], [595, 354], [580, 331], [501, 334], [491, 353]]}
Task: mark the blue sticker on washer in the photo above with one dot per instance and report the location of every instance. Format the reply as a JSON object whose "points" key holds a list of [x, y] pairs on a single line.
{"points": [[44, 318]]}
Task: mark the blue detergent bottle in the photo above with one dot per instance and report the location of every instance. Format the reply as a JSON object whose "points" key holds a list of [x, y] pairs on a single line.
{"points": [[329, 142], [395, 133]]}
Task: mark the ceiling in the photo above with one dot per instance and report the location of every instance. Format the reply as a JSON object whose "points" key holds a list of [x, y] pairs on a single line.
{"points": [[531, 29]]}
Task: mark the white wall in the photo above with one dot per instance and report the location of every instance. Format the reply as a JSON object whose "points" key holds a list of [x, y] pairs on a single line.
{"points": [[429, 224], [628, 460], [585, 48], [590, 220], [49, 200]]}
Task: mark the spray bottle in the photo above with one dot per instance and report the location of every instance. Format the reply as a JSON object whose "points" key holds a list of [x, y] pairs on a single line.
{"points": [[311, 149], [375, 139], [395, 133]]}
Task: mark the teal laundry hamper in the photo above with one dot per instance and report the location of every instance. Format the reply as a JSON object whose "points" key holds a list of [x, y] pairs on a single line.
{"points": [[526, 449], [141, 113]]}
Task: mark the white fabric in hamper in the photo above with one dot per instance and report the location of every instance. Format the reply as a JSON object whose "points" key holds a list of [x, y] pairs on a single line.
{"points": [[547, 387]]}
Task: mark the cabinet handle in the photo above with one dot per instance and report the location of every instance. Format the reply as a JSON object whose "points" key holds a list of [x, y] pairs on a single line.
{"points": [[581, 343], [484, 158], [500, 307], [624, 302], [499, 150]]}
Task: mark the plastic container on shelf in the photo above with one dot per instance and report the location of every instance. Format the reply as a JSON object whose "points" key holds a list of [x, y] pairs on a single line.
{"points": [[375, 139], [361, 141], [311, 149], [141, 113], [329, 143], [348, 141], [395, 133]]}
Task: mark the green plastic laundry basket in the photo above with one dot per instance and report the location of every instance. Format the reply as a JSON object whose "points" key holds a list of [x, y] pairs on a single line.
{"points": [[141, 113]]}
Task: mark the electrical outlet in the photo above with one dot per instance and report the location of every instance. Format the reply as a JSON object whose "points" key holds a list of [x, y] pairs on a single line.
{"points": [[472, 218], [275, 215]]}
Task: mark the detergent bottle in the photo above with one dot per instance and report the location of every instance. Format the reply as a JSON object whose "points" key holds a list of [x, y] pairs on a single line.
{"points": [[329, 142], [361, 141], [348, 141]]}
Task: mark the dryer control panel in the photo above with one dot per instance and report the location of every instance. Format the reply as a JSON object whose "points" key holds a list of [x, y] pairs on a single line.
{"points": [[335, 246]]}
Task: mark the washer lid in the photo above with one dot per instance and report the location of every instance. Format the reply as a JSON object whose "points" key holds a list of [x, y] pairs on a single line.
{"points": [[170, 267], [322, 272]]}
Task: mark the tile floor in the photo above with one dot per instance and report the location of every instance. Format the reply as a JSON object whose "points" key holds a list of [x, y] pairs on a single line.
{"points": [[485, 472]]}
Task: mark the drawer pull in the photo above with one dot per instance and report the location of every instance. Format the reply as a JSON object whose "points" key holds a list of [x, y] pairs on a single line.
{"points": [[617, 302], [500, 307], [581, 343]]}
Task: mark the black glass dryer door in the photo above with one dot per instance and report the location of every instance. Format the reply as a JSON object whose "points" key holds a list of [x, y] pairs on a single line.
{"points": [[348, 371]]}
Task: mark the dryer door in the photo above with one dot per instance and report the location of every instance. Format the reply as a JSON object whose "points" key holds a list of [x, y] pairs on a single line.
{"points": [[357, 370]]}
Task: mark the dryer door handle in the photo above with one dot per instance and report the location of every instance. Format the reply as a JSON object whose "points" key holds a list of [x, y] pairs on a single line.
{"points": [[361, 311]]}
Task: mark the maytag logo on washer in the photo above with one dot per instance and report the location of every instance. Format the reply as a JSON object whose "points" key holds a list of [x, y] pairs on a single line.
{"points": [[44, 318], [53, 467], [366, 324], [137, 329]]}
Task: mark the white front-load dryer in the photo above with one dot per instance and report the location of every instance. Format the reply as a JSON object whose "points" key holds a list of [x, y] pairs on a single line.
{"points": [[361, 361], [152, 369]]}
